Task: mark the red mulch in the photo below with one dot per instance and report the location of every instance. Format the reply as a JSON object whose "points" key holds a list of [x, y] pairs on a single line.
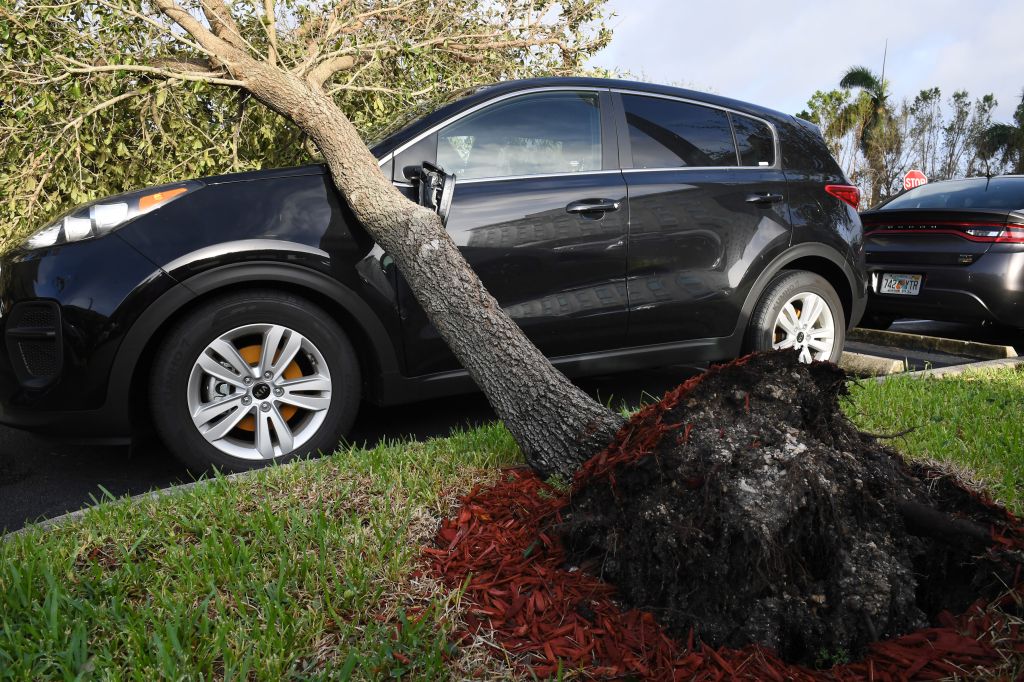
{"points": [[518, 591]]}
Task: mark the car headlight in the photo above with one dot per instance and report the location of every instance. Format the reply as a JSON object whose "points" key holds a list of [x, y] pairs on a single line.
{"points": [[106, 215]]}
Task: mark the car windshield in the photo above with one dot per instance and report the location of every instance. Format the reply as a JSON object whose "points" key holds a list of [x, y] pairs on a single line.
{"points": [[409, 116], [997, 193]]}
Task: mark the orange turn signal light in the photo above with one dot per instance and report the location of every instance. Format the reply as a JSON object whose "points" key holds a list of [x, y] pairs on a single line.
{"points": [[153, 200]]}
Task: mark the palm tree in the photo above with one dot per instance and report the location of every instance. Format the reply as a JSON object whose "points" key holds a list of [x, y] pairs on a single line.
{"points": [[868, 114], [1005, 138]]}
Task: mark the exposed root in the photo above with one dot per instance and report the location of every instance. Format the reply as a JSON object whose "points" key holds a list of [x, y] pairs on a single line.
{"points": [[743, 522]]}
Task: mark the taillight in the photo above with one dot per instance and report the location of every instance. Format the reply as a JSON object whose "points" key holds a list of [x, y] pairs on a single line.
{"points": [[847, 193], [995, 233], [1009, 234]]}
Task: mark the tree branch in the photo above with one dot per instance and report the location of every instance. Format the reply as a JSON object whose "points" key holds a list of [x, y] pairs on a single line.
{"points": [[333, 26], [184, 65], [270, 25], [194, 76], [106, 104], [222, 23], [380, 88], [156, 24], [209, 42], [324, 70], [358, 21]]}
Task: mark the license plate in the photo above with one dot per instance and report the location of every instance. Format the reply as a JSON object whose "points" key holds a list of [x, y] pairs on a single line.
{"points": [[904, 285]]}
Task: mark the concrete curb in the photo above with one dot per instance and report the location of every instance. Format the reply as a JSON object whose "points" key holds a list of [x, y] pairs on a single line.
{"points": [[153, 494], [862, 365], [971, 349], [954, 370]]}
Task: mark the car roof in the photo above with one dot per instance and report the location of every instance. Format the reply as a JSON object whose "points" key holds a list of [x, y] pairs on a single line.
{"points": [[963, 183], [473, 96], [656, 88], [979, 178]]}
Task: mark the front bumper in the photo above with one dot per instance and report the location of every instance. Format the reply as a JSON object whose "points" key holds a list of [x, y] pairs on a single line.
{"points": [[64, 312], [992, 289]]}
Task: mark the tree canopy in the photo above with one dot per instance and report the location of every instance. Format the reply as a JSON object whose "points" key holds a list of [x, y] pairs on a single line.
{"points": [[1006, 139], [100, 97], [877, 140]]}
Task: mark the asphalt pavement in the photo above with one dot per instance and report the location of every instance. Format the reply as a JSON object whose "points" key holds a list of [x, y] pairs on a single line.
{"points": [[40, 479]]}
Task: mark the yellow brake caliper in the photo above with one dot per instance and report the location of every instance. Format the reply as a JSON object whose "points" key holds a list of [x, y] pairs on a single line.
{"points": [[251, 354]]}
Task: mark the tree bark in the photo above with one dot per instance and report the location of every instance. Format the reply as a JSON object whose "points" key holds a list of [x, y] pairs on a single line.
{"points": [[556, 425]]}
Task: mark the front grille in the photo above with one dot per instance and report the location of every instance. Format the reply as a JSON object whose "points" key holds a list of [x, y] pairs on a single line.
{"points": [[33, 337]]}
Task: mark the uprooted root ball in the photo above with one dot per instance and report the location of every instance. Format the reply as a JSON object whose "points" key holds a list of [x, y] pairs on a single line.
{"points": [[747, 508]]}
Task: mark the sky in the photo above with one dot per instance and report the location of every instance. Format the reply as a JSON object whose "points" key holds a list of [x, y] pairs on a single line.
{"points": [[777, 53]]}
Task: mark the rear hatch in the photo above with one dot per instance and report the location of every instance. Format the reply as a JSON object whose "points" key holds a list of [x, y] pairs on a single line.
{"points": [[961, 237]]}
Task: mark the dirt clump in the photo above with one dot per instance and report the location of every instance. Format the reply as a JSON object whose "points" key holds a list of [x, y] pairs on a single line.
{"points": [[745, 508]]}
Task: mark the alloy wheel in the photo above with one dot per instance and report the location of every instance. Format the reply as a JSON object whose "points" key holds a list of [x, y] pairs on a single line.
{"points": [[259, 391], [806, 324]]}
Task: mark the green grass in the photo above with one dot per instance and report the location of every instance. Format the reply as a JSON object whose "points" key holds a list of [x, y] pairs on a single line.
{"points": [[303, 572], [300, 572], [974, 421]]}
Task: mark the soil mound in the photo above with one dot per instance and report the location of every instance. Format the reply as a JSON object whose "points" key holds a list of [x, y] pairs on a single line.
{"points": [[744, 508]]}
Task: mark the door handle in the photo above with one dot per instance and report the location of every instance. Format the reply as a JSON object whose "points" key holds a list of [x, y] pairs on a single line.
{"points": [[592, 206], [764, 198]]}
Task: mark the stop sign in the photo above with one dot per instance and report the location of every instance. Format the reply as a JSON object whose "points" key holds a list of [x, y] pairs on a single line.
{"points": [[914, 178]]}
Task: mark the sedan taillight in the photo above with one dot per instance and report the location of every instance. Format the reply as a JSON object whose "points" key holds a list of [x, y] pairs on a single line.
{"points": [[846, 193], [1008, 234]]}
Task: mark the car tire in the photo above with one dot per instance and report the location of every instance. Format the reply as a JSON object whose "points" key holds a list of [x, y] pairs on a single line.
{"points": [[779, 317], [213, 413]]}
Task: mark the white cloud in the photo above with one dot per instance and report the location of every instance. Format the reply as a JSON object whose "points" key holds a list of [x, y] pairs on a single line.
{"points": [[778, 53]]}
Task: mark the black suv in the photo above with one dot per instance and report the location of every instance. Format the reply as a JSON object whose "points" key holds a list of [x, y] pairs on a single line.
{"points": [[620, 224]]}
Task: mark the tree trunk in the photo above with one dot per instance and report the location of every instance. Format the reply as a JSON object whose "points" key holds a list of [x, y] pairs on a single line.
{"points": [[877, 167], [556, 425]]}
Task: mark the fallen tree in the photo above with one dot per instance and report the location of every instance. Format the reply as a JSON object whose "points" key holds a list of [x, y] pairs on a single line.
{"points": [[743, 508]]}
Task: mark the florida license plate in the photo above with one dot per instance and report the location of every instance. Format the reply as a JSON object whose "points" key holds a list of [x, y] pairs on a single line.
{"points": [[904, 285]]}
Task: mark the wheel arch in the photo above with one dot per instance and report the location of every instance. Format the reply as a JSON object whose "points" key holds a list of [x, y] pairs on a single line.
{"points": [[819, 259], [375, 350]]}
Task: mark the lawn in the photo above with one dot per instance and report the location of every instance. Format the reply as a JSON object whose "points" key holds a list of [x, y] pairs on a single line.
{"points": [[299, 572], [973, 422], [307, 572]]}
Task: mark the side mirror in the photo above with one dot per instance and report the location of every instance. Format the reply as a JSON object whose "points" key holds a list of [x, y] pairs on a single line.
{"points": [[435, 188]]}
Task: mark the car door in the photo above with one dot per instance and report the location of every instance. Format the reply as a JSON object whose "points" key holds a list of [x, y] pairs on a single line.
{"points": [[539, 211], [705, 214]]}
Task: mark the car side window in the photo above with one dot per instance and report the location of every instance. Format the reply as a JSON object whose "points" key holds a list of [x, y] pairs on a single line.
{"points": [[536, 134], [665, 133], [412, 158], [754, 140]]}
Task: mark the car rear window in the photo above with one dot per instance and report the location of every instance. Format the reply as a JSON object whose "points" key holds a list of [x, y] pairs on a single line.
{"points": [[755, 141], [997, 193], [665, 133]]}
